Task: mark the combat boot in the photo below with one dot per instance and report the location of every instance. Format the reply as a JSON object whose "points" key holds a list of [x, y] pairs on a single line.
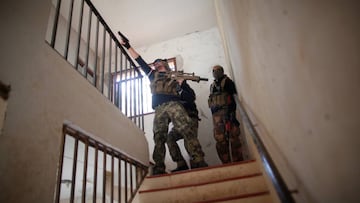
{"points": [[199, 164], [180, 168]]}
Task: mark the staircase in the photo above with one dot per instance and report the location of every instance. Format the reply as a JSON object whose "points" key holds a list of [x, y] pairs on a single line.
{"points": [[237, 182]]}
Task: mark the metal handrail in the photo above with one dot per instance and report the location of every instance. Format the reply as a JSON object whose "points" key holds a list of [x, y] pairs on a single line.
{"points": [[269, 165]]}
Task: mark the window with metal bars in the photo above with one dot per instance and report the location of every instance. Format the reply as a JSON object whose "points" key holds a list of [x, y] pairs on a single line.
{"points": [[124, 83]]}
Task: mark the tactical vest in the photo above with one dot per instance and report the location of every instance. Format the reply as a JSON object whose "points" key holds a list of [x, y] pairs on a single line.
{"points": [[218, 97], [163, 85]]}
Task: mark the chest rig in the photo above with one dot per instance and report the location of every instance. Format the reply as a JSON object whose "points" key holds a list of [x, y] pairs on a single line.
{"points": [[162, 84], [218, 96]]}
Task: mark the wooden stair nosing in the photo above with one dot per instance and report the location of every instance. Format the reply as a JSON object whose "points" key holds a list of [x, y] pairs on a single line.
{"points": [[199, 184]]}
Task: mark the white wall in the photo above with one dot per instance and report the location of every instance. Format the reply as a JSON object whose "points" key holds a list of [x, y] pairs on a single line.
{"points": [[198, 52], [296, 66], [45, 91]]}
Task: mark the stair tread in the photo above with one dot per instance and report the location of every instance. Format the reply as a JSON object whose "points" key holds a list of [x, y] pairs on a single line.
{"points": [[199, 184], [206, 191], [236, 197], [201, 175], [241, 182]]}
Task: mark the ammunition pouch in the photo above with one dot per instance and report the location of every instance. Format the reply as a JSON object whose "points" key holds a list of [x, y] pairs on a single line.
{"points": [[218, 100]]}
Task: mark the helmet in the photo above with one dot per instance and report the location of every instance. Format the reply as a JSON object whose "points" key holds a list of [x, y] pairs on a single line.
{"points": [[161, 62]]}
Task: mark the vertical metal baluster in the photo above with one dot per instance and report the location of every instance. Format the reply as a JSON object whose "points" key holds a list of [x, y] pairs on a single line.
{"points": [[61, 165], [103, 62], [85, 169], [110, 76], [104, 176], [74, 170], [96, 54], [126, 181], [131, 179], [55, 25], [112, 178], [68, 30], [119, 179], [95, 171], [79, 34], [88, 43]]}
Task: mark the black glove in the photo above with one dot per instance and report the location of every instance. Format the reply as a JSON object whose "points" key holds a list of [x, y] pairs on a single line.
{"points": [[127, 44], [125, 40]]}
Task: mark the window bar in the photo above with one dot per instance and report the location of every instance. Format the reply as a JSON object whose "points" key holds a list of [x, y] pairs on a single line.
{"points": [[126, 90], [120, 83], [55, 25], [103, 62], [112, 177], [137, 81], [88, 43], [96, 52], [126, 181], [114, 77], [95, 170], [119, 180], [130, 91], [104, 176], [139, 89], [79, 34], [61, 165], [133, 81], [141, 104], [68, 30], [85, 169], [109, 74], [74, 170]]}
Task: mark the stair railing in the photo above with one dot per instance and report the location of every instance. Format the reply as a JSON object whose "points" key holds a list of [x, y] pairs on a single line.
{"points": [[269, 166], [81, 36], [94, 169]]}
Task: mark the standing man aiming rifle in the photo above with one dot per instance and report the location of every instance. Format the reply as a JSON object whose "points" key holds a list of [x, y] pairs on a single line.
{"points": [[166, 102]]}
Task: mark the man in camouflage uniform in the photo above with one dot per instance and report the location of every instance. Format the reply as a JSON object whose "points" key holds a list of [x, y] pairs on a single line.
{"points": [[188, 97], [168, 108], [226, 126]]}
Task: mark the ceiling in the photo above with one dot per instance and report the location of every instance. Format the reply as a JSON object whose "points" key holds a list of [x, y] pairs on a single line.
{"points": [[152, 21]]}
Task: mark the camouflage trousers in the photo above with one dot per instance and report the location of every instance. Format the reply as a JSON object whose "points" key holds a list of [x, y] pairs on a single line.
{"points": [[227, 139], [174, 112], [174, 149]]}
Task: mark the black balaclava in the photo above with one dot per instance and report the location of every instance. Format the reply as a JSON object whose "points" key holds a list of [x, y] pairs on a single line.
{"points": [[218, 72]]}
